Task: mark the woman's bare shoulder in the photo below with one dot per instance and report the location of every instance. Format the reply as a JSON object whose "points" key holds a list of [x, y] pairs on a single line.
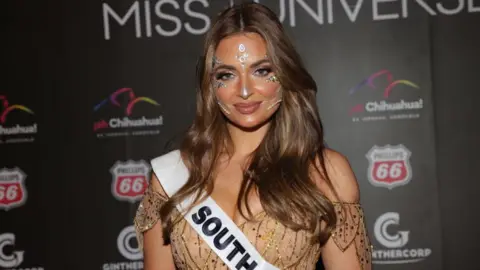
{"points": [[341, 175]]}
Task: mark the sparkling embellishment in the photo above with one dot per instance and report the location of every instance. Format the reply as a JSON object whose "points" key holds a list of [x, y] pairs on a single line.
{"points": [[242, 55], [351, 230], [275, 103], [223, 107], [148, 212], [278, 100], [272, 78], [219, 84], [283, 247]]}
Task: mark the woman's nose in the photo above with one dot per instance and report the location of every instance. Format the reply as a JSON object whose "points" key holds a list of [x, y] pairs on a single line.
{"points": [[245, 90]]}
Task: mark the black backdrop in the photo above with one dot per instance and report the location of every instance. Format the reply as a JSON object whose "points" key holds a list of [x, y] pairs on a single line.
{"points": [[61, 71]]}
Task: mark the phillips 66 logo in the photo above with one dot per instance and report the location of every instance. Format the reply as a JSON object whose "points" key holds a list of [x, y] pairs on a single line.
{"points": [[130, 179], [12, 188], [389, 166]]}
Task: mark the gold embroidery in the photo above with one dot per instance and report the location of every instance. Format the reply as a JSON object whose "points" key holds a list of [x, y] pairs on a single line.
{"points": [[148, 212], [350, 230], [286, 248]]}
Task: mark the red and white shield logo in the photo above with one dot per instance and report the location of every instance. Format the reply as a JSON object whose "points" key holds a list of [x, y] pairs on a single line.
{"points": [[389, 166], [130, 180], [13, 192]]}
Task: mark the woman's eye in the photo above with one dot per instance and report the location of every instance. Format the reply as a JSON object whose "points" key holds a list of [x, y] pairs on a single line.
{"points": [[263, 71], [223, 76]]}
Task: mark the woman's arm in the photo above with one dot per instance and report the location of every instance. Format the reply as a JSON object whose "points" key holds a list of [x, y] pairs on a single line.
{"points": [[349, 246], [156, 256]]}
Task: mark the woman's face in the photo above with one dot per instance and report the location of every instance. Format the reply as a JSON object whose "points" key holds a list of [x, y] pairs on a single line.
{"points": [[247, 90]]}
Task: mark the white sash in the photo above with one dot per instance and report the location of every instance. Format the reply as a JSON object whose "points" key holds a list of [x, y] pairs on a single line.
{"points": [[208, 219]]}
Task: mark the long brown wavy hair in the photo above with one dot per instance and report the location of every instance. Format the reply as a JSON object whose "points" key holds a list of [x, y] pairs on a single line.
{"points": [[280, 168]]}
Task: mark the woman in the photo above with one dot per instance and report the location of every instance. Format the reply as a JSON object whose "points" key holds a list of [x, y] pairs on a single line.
{"points": [[255, 148]]}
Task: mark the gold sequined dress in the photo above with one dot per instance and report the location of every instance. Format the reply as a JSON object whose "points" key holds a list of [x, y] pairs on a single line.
{"points": [[279, 245]]}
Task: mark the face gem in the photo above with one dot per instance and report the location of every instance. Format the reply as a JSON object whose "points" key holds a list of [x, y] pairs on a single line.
{"points": [[272, 79], [223, 107], [242, 55]]}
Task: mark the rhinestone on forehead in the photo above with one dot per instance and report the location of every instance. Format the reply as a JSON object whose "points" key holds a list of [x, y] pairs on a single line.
{"points": [[242, 55]]}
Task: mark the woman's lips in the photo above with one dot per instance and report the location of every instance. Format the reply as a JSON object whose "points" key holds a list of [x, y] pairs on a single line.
{"points": [[247, 107]]}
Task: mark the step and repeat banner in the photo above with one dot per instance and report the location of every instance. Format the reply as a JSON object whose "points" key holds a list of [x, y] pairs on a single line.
{"points": [[98, 88]]}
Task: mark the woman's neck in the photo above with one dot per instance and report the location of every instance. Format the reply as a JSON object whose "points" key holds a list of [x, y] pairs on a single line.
{"points": [[245, 141]]}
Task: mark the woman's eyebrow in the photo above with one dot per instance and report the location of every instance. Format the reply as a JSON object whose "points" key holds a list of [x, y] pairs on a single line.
{"points": [[232, 68]]}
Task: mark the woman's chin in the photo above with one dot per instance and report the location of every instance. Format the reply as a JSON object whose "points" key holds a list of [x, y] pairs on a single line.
{"points": [[249, 124]]}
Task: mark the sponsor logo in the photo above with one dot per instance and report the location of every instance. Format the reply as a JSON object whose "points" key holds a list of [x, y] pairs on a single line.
{"points": [[130, 180], [128, 247], [127, 244], [380, 97], [395, 242], [151, 18], [389, 166], [122, 120], [11, 131], [11, 258], [13, 192]]}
